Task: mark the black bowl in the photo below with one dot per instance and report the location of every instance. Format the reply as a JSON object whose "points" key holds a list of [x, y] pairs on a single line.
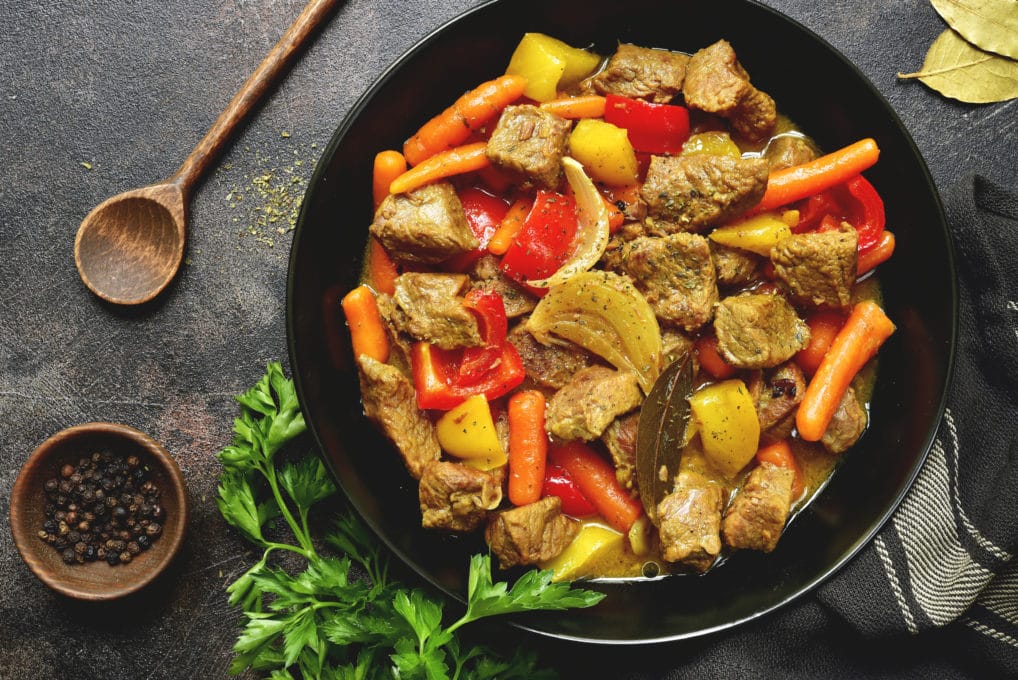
{"points": [[819, 89]]}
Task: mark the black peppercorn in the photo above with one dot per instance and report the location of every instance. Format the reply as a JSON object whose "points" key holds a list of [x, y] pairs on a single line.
{"points": [[68, 555], [112, 558]]}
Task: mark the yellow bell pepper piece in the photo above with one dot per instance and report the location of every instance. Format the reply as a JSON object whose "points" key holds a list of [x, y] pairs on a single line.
{"points": [[757, 234], [728, 424], [549, 64], [592, 542], [713, 142], [468, 432], [605, 152]]}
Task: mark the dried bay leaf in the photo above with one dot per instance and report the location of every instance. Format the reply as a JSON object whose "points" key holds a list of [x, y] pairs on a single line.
{"points": [[956, 69], [988, 24], [661, 433]]}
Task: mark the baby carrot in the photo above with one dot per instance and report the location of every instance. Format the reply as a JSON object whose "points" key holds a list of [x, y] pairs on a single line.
{"points": [[586, 106], [381, 269], [596, 480], [457, 161], [389, 165], [528, 447], [509, 226], [878, 254], [791, 184], [856, 343], [468, 113], [367, 333], [823, 328], [780, 454]]}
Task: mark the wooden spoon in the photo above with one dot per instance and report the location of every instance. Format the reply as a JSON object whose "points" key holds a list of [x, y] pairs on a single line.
{"points": [[130, 246]]}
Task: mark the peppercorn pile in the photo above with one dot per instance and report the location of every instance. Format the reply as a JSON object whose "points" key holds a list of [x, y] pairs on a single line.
{"points": [[104, 508]]}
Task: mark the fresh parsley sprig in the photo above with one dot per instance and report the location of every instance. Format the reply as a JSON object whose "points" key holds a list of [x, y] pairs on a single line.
{"points": [[326, 622]]}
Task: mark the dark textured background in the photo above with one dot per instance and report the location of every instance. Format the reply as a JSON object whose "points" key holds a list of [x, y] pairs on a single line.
{"points": [[128, 88]]}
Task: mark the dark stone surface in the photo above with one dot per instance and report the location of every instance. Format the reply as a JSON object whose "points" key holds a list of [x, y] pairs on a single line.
{"points": [[128, 89]]}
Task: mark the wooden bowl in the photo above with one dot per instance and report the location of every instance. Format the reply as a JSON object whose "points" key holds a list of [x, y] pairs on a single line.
{"points": [[96, 580]]}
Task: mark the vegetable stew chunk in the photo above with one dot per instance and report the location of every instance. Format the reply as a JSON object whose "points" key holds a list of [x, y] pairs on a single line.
{"points": [[620, 440], [758, 330], [757, 515], [717, 83], [548, 365], [530, 533], [692, 193], [486, 274], [642, 73], [426, 225], [429, 307], [389, 400], [788, 150], [777, 394], [847, 425], [818, 268], [733, 266], [590, 401], [456, 497], [530, 143], [689, 521], [676, 275]]}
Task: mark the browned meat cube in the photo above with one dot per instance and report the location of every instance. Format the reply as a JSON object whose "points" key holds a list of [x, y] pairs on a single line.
{"points": [[486, 274], [689, 522], [620, 440], [590, 401], [456, 497], [717, 83], [642, 73], [676, 275], [818, 268], [698, 191], [429, 307], [789, 150], [548, 365], [390, 401], [777, 394], [847, 424], [760, 330], [530, 533], [757, 515], [530, 143], [674, 345], [733, 266], [425, 225]]}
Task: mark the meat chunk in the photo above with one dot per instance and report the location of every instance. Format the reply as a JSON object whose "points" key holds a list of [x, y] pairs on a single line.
{"points": [[486, 274], [734, 267], [717, 83], [426, 225], [777, 394], [529, 143], [590, 401], [818, 268], [674, 345], [847, 424], [456, 497], [620, 440], [689, 522], [701, 190], [758, 513], [548, 365], [390, 401], [429, 307], [759, 330], [788, 150], [530, 533], [642, 73]]}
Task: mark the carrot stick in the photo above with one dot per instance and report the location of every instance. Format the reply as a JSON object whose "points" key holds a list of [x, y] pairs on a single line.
{"points": [[468, 113], [389, 165], [791, 184], [509, 226], [856, 343], [596, 479], [780, 454], [710, 358], [382, 271], [586, 106], [823, 328], [528, 447], [876, 255], [457, 161], [367, 333]]}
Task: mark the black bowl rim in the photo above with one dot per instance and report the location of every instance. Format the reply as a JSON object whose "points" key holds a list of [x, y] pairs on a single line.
{"points": [[321, 168]]}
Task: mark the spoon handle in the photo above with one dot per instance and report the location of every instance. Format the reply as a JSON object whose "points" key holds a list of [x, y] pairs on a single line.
{"points": [[251, 91]]}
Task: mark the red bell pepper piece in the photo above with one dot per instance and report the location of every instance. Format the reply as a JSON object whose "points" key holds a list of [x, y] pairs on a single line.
{"points": [[436, 376], [652, 128], [493, 325], [544, 242], [484, 213], [558, 482], [855, 202]]}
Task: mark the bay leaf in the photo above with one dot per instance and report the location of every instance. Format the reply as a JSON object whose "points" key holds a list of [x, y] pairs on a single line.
{"points": [[991, 25], [661, 433], [956, 69]]}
